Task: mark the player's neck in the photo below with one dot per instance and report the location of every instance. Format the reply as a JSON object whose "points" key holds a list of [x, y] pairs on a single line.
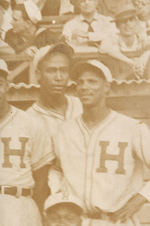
{"points": [[92, 116], [57, 103], [4, 110]]}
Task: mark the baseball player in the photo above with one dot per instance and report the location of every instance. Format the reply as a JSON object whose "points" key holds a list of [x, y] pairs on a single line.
{"points": [[52, 65], [63, 210], [102, 153], [25, 151], [54, 106]]}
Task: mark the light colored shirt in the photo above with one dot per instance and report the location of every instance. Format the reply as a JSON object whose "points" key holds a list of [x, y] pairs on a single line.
{"points": [[51, 118], [101, 25], [135, 52]]}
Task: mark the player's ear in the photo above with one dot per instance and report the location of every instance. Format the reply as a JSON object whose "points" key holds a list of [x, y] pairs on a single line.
{"points": [[38, 74], [107, 87]]}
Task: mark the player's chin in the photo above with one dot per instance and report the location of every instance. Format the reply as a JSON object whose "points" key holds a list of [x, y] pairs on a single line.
{"points": [[86, 100]]}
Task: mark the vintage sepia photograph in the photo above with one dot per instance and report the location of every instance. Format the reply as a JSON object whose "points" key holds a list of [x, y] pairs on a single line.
{"points": [[74, 112]]}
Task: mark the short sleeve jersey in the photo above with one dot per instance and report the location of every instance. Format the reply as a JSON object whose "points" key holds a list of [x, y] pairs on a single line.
{"points": [[25, 146]]}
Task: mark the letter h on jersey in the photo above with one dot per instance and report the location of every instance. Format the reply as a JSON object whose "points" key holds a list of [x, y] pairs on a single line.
{"points": [[13, 152], [104, 156]]}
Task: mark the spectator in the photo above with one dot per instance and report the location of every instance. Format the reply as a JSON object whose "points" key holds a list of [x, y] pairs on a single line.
{"points": [[25, 35], [144, 16], [88, 28], [129, 46]]}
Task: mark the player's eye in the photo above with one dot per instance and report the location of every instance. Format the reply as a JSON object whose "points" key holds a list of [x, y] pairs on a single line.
{"points": [[51, 70]]}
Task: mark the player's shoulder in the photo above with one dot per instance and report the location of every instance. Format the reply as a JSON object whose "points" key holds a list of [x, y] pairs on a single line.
{"points": [[69, 125], [31, 110], [20, 114], [35, 111], [125, 120], [23, 119], [28, 120]]}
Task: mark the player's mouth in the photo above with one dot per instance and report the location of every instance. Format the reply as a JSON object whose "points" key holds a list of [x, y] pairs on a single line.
{"points": [[58, 88], [85, 97]]}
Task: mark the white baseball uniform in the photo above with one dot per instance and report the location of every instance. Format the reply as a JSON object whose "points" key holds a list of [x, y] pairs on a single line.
{"points": [[51, 119], [104, 167], [25, 147]]}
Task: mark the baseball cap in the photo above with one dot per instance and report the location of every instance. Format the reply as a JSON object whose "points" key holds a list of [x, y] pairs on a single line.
{"points": [[61, 47], [79, 66], [125, 12], [3, 66], [60, 198]]}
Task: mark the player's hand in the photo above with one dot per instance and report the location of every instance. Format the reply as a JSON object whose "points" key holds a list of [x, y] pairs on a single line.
{"points": [[79, 35], [138, 70], [31, 51], [130, 208]]}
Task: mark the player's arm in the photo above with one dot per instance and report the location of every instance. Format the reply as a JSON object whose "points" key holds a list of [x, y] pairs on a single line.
{"points": [[42, 157], [141, 146], [110, 47], [41, 190], [55, 174], [130, 208], [55, 177]]}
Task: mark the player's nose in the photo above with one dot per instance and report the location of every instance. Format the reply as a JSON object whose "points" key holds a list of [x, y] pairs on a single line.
{"points": [[58, 75]]}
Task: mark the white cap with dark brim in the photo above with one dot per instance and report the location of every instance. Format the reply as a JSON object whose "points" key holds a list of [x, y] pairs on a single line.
{"points": [[77, 68], [59, 198]]}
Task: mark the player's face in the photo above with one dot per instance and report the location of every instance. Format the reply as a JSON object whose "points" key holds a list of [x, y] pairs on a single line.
{"points": [[63, 217], [55, 74], [19, 24], [3, 88], [127, 26], [91, 88], [88, 6]]}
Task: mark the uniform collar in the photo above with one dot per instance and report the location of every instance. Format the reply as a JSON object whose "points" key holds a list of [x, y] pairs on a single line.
{"points": [[53, 113]]}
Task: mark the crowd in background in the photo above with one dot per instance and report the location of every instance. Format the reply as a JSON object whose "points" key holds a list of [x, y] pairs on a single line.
{"points": [[117, 30]]}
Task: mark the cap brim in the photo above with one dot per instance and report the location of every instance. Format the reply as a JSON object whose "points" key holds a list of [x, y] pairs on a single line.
{"points": [[79, 67]]}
